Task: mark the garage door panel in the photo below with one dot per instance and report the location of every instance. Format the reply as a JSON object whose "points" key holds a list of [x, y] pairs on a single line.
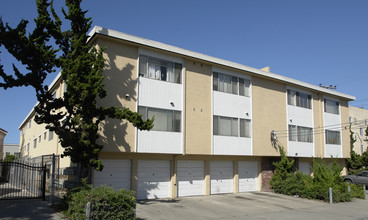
{"points": [[153, 179], [116, 173], [222, 177], [248, 176], [190, 177]]}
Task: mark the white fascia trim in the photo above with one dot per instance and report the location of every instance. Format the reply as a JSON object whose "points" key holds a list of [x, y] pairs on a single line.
{"points": [[52, 84], [188, 53]]}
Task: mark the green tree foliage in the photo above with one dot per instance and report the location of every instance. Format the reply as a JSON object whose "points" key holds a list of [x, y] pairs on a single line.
{"points": [[289, 181], [76, 116], [9, 158], [356, 162]]}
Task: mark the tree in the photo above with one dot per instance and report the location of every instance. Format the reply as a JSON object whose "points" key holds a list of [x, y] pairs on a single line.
{"points": [[356, 162], [76, 116]]}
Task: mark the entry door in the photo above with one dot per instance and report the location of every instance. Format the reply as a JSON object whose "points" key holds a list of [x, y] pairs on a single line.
{"points": [[116, 173], [248, 176], [222, 179], [153, 179], [190, 175]]}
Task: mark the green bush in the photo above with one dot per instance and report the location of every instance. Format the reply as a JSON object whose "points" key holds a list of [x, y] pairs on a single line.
{"points": [[106, 203], [289, 182]]}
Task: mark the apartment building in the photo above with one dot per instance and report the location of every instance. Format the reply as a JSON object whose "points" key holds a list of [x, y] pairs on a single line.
{"points": [[217, 123], [358, 119]]}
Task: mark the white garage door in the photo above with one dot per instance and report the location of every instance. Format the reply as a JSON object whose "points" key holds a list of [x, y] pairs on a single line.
{"points": [[190, 175], [153, 179], [221, 177], [116, 173], [248, 176]]}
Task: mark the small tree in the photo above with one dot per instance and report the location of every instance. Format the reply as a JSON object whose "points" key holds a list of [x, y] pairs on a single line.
{"points": [[76, 116], [356, 162]]}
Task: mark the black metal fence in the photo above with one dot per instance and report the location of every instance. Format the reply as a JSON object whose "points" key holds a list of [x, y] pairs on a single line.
{"points": [[22, 181]]}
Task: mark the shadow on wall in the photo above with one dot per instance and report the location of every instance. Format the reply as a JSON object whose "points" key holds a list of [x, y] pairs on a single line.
{"points": [[120, 83]]}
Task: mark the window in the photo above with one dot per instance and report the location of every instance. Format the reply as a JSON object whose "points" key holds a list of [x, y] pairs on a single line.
{"points": [[39, 139], [300, 134], [35, 143], [365, 122], [332, 107], [165, 120], [245, 128], [54, 95], [362, 148], [292, 133], [333, 137], [230, 84], [44, 135], [159, 69], [361, 131], [29, 123], [28, 147], [227, 126], [51, 135], [299, 99]]}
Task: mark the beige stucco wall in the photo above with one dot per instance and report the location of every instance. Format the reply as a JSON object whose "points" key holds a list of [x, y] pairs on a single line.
{"points": [[121, 72], [269, 113], [345, 128], [359, 117], [198, 108], [319, 139]]}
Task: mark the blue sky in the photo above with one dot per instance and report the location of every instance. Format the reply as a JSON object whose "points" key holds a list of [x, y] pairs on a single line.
{"points": [[312, 41]]}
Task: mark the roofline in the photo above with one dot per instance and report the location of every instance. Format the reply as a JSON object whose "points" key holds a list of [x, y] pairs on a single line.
{"points": [[3, 131], [162, 46], [158, 45]]}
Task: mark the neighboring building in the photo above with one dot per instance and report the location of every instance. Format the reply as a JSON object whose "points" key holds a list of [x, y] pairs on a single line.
{"points": [[358, 119], [2, 137], [214, 120], [11, 149]]}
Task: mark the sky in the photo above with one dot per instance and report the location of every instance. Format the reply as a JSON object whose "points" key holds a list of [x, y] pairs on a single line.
{"points": [[318, 42]]}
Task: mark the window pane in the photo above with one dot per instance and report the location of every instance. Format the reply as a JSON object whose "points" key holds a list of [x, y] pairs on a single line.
{"points": [[224, 126], [215, 81], [241, 87], [234, 85], [177, 122], [143, 66], [331, 107], [163, 119], [234, 127], [247, 87], [291, 97], [177, 77], [333, 137], [245, 128], [292, 133], [305, 134], [143, 111], [215, 125]]}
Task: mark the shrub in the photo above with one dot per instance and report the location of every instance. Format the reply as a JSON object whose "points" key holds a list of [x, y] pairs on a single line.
{"points": [[289, 182], [106, 203]]}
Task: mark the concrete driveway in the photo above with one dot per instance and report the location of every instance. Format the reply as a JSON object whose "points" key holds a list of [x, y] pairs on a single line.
{"points": [[254, 205]]}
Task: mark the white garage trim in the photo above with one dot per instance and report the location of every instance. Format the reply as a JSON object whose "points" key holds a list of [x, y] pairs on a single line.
{"points": [[190, 177], [222, 177], [116, 173], [153, 179], [248, 176]]}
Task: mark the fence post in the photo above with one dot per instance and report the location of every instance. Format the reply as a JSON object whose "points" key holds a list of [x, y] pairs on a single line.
{"points": [[52, 178], [330, 193], [44, 183], [348, 188]]}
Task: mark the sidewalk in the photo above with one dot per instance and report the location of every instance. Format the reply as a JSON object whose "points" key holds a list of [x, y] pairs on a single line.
{"points": [[27, 209]]}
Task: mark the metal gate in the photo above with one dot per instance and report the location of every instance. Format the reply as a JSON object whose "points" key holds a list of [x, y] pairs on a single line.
{"points": [[22, 181]]}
